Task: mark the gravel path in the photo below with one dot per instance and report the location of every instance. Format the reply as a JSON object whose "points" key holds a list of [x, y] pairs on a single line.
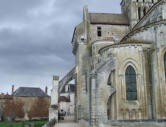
{"points": [[66, 125], [67, 122]]}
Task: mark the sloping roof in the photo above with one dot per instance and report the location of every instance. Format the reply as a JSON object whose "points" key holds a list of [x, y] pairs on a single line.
{"points": [[63, 99], [108, 18], [29, 92], [126, 42]]}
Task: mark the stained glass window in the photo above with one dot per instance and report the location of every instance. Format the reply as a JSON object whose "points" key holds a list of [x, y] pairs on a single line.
{"points": [[131, 85]]}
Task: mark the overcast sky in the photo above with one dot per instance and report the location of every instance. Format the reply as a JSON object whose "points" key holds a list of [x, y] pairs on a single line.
{"points": [[35, 38]]}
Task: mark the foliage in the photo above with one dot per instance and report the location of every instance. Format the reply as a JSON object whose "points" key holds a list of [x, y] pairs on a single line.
{"points": [[39, 108], [13, 109], [21, 124]]}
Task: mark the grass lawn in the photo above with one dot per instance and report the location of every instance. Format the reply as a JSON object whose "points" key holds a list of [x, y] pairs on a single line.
{"points": [[21, 124]]}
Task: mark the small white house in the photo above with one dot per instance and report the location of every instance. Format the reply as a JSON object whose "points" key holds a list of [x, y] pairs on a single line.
{"points": [[66, 99]]}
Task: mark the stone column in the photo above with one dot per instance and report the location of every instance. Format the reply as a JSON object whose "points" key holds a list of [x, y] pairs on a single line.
{"points": [[53, 110], [93, 118]]}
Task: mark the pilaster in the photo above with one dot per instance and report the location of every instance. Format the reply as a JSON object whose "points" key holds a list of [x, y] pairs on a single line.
{"points": [[93, 120]]}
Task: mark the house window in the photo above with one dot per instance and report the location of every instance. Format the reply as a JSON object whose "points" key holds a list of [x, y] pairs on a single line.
{"points": [[165, 64], [131, 85], [99, 31]]}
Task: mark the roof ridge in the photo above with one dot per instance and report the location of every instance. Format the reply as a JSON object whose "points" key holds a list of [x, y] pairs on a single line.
{"points": [[106, 13], [30, 91], [29, 87]]}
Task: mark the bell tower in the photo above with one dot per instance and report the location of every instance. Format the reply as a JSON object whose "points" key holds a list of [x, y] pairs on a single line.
{"points": [[136, 9]]}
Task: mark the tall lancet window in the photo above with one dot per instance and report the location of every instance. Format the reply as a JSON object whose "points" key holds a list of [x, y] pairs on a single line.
{"points": [[139, 13], [165, 64], [131, 83]]}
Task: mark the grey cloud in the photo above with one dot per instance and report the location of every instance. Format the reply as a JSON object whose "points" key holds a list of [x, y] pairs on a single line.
{"points": [[14, 9], [35, 38]]}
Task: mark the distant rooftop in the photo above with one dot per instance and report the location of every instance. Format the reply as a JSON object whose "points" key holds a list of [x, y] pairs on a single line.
{"points": [[5, 96], [108, 18], [63, 99], [29, 92]]}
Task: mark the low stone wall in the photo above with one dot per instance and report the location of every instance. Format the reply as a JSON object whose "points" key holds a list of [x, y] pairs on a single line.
{"points": [[134, 123]]}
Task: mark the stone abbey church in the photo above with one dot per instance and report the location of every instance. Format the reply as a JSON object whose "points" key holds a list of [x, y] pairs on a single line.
{"points": [[120, 70]]}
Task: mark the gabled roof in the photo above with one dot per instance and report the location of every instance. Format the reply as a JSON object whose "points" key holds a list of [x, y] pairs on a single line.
{"points": [[29, 92], [108, 18]]}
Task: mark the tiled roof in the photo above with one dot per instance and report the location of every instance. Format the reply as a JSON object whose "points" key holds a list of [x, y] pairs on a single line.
{"points": [[29, 92], [63, 99], [126, 42], [108, 18]]}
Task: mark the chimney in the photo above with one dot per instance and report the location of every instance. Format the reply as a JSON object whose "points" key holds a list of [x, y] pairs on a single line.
{"points": [[46, 89], [12, 89]]}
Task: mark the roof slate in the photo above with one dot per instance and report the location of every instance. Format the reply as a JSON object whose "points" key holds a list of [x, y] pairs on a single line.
{"points": [[108, 18], [29, 92]]}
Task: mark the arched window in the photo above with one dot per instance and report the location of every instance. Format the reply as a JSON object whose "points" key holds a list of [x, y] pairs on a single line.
{"points": [[165, 64], [131, 83]]}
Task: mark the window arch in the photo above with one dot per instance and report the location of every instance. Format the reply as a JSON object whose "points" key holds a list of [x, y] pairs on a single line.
{"points": [[165, 64], [131, 83]]}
